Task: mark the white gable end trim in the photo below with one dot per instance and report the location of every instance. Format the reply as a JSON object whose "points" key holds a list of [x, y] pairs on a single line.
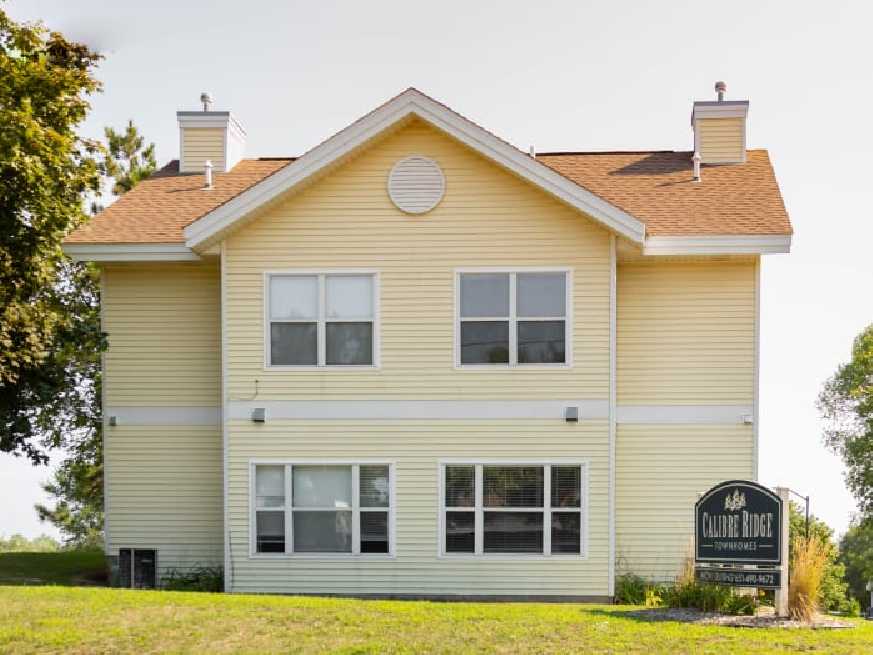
{"points": [[214, 224]]}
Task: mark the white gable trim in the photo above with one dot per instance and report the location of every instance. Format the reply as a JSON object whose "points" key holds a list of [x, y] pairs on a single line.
{"points": [[211, 226], [130, 252], [717, 245]]}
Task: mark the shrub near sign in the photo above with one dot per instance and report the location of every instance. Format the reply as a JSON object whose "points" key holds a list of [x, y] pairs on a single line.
{"points": [[738, 522]]}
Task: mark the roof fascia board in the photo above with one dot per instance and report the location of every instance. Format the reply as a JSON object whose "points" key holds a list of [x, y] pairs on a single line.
{"points": [[212, 225], [717, 245], [130, 252]]}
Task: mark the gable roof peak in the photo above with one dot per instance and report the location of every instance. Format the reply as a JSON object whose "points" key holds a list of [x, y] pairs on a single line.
{"points": [[211, 227]]}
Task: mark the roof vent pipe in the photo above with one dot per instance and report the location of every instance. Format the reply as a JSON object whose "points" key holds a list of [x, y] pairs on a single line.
{"points": [[696, 160], [206, 99], [532, 151], [208, 167], [720, 89]]}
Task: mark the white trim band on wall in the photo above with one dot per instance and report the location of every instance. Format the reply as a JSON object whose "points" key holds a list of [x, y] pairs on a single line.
{"points": [[433, 410], [165, 415], [419, 409], [699, 414]]}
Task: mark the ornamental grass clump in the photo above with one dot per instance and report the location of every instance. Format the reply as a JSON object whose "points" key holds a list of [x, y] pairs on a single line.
{"points": [[808, 563]]}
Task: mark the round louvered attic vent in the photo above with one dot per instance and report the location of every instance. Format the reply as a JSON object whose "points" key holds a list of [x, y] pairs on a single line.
{"points": [[416, 184]]}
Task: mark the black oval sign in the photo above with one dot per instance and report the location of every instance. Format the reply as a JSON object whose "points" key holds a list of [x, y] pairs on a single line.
{"points": [[738, 521]]}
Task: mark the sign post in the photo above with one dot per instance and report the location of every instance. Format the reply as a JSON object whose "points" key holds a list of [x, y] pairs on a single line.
{"points": [[741, 538]]}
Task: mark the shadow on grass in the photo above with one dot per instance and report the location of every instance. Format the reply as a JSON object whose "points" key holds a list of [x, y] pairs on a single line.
{"points": [[72, 568]]}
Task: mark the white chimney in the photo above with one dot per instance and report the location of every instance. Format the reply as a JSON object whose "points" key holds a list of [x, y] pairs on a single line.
{"points": [[216, 136], [720, 128]]}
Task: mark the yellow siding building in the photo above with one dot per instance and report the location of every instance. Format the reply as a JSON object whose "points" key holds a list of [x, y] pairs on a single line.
{"points": [[419, 362]]}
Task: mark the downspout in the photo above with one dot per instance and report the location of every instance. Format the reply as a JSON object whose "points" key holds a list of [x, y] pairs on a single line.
{"points": [[612, 404]]}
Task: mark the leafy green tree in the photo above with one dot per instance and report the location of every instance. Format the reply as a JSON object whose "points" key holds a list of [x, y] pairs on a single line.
{"points": [[46, 169], [834, 588], [20, 544], [128, 160], [856, 554], [846, 404]]}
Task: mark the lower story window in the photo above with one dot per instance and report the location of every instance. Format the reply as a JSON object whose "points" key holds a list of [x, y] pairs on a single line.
{"points": [[518, 509], [322, 508]]}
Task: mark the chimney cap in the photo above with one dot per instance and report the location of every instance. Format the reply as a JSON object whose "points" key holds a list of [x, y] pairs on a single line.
{"points": [[206, 99]]}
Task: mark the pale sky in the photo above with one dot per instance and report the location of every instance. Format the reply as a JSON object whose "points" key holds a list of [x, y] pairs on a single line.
{"points": [[561, 76]]}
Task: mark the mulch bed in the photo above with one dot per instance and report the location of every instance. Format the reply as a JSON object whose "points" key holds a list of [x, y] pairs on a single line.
{"points": [[763, 620]]}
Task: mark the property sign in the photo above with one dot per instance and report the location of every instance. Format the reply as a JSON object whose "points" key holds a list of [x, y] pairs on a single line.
{"points": [[739, 522], [736, 577]]}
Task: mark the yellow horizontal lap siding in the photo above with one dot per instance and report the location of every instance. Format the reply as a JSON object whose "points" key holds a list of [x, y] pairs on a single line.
{"points": [[686, 334], [200, 144], [721, 139], [163, 322], [487, 218], [164, 486], [415, 447], [660, 469], [164, 482]]}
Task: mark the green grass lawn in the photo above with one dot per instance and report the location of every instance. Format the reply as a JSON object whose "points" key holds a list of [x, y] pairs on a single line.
{"points": [[95, 620], [64, 568]]}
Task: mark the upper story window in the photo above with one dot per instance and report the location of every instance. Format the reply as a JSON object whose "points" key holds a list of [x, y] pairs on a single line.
{"points": [[321, 319], [513, 318]]}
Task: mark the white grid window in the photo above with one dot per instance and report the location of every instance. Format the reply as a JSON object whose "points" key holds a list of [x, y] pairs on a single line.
{"points": [[321, 319], [513, 509], [324, 509], [512, 318]]}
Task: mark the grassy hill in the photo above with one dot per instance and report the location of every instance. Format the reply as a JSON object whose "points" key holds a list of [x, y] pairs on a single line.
{"points": [[38, 615]]}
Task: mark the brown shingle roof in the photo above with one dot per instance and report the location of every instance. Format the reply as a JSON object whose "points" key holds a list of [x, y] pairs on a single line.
{"points": [[658, 189], [655, 187], [157, 209]]}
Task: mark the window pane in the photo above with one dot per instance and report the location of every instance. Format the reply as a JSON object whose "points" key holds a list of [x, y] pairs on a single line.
{"points": [[270, 486], [513, 486], [349, 296], [460, 536], [374, 486], [485, 342], [513, 532], [459, 486], [566, 485], [322, 486], [270, 528], [322, 532], [541, 342], [566, 532], [293, 297], [374, 532], [485, 294], [541, 294], [349, 343], [293, 344]]}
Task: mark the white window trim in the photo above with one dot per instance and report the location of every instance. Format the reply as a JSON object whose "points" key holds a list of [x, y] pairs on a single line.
{"points": [[513, 271], [479, 509], [355, 509], [320, 320]]}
